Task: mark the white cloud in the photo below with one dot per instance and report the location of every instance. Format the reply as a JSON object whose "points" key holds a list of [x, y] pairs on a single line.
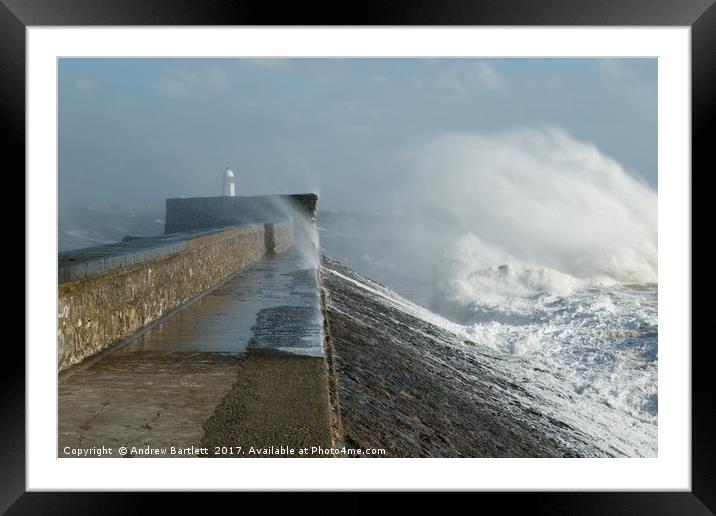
{"points": [[268, 63], [216, 79], [474, 75], [84, 86], [488, 76], [450, 82], [613, 68], [181, 83]]}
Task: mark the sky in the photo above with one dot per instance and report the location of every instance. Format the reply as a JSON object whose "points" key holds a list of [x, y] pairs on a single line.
{"points": [[142, 130]]}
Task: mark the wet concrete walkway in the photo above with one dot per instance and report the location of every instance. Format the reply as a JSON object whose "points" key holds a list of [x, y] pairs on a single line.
{"points": [[242, 366]]}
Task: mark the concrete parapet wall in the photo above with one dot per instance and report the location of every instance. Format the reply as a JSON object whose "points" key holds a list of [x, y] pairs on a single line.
{"points": [[107, 293], [211, 212]]}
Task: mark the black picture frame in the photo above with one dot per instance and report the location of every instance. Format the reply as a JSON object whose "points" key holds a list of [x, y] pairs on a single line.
{"points": [[700, 15]]}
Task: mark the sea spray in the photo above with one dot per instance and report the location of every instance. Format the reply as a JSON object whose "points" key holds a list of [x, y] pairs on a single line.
{"points": [[538, 197], [536, 244], [306, 238]]}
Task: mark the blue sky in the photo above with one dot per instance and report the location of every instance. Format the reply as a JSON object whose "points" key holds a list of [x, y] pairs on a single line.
{"points": [[147, 129]]}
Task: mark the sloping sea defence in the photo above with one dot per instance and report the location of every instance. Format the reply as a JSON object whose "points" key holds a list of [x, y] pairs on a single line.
{"points": [[406, 380]]}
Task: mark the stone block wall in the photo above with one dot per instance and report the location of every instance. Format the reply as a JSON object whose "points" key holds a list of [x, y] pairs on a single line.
{"points": [[110, 292]]}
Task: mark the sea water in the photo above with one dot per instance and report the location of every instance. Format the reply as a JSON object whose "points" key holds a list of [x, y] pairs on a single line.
{"points": [[534, 244]]}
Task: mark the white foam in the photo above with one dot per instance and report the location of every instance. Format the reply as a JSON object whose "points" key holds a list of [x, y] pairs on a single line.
{"points": [[548, 233], [537, 197], [536, 245], [598, 395], [602, 339]]}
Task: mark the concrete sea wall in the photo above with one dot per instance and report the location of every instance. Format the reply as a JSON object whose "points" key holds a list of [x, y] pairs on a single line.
{"points": [[108, 293], [404, 382], [212, 212]]}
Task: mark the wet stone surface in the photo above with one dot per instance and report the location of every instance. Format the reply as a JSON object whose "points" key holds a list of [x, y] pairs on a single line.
{"points": [[241, 356], [123, 293], [142, 400], [247, 311], [277, 401], [406, 382], [287, 329]]}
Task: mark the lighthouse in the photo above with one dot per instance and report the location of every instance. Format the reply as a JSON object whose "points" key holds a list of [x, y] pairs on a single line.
{"points": [[229, 183]]}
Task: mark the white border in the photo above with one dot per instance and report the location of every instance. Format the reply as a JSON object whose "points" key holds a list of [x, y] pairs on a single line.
{"points": [[671, 470]]}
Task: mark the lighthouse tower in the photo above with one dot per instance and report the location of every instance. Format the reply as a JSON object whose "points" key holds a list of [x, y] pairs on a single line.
{"points": [[229, 183]]}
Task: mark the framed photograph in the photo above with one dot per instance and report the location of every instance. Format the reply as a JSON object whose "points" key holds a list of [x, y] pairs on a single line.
{"points": [[427, 238]]}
